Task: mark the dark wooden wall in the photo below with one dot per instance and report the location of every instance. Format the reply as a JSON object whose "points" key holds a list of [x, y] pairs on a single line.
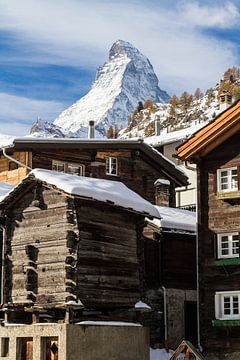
{"points": [[108, 271], [170, 261], [216, 216]]}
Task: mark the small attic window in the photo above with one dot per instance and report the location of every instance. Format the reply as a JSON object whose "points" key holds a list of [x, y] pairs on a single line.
{"points": [[12, 166]]}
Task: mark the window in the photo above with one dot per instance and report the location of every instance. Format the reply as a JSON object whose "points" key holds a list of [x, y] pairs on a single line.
{"points": [[112, 166], [70, 168], [58, 166], [227, 180], [4, 347], [227, 305], [75, 169], [228, 245]]}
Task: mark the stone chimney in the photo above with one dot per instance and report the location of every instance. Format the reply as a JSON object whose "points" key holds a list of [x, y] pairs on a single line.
{"points": [[162, 192], [91, 129], [157, 126], [225, 100]]}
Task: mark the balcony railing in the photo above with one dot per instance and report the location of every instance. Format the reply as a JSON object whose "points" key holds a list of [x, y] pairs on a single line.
{"points": [[191, 207]]}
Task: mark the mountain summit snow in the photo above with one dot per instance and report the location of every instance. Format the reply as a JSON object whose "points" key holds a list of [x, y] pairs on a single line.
{"points": [[127, 78]]}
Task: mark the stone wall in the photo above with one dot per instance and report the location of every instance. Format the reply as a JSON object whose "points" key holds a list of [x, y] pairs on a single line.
{"points": [[78, 342], [176, 314]]}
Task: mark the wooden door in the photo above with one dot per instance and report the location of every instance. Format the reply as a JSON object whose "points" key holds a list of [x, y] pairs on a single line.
{"points": [[191, 321], [52, 348]]}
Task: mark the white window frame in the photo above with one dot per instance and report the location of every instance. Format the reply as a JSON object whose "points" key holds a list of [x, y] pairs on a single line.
{"points": [[229, 180], [66, 165], [230, 247], [219, 305], [57, 163], [109, 166]]}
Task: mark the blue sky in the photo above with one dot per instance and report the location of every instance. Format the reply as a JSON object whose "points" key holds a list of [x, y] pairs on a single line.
{"points": [[49, 50]]}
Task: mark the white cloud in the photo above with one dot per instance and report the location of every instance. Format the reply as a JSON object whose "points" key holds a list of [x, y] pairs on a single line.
{"points": [[225, 16], [76, 32], [19, 113]]}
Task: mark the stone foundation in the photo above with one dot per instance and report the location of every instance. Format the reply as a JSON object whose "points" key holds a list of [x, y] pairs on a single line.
{"points": [[74, 342]]}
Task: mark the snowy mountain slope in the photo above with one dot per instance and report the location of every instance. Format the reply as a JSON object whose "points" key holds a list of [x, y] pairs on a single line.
{"points": [[200, 112], [45, 129], [127, 78]]}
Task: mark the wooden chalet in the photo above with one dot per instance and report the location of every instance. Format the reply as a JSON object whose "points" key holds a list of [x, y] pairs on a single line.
{"points": [[72, 252], [216, 151], [170, 276], [70, 239], [132, 162]]}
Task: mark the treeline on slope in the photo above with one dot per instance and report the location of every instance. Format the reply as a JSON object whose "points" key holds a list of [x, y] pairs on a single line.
{"points": [[185, 108]]}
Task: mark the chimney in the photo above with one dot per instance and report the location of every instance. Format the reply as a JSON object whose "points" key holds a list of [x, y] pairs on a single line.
{"points": [[157, 126], [162, 192], [225, 100], [91, 129]]}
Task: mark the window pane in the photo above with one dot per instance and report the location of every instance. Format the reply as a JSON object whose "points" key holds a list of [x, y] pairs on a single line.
{"points": [[226, 305], [111, 166], [235, 244]]}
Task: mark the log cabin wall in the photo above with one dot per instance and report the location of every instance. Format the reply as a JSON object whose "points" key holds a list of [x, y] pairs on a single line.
{"points": [[60, 247], [109, 256], [12, 173], [133, 170], [216, 216], [36, 230]]}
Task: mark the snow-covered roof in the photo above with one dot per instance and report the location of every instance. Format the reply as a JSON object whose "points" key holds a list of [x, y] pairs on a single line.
{"points": [[6, 140], [173, 136], [109, 191], [175, 219], [4, 189]]}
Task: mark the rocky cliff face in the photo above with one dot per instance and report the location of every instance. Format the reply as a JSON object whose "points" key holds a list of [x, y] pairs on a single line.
{"points": [[127, 78]]}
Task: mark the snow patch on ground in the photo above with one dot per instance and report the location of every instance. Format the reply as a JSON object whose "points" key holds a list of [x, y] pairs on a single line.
{"points": [[162, 354]]}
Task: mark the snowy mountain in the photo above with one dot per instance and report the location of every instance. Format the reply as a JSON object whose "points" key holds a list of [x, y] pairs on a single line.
{"points": [[127, 78], [45, 129]]}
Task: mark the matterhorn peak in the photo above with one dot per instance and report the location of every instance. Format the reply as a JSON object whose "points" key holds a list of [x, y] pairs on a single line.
{"points": [[124, 80], [123, 48]]}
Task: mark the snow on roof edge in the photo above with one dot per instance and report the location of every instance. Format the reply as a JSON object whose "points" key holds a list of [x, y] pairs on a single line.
{"points": [[114, 192], [175, 219]]}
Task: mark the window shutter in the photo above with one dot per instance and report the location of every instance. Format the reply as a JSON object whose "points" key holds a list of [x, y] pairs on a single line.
{"points": [[239, 245], [238, 173], [215, 245], [217, 307]]}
